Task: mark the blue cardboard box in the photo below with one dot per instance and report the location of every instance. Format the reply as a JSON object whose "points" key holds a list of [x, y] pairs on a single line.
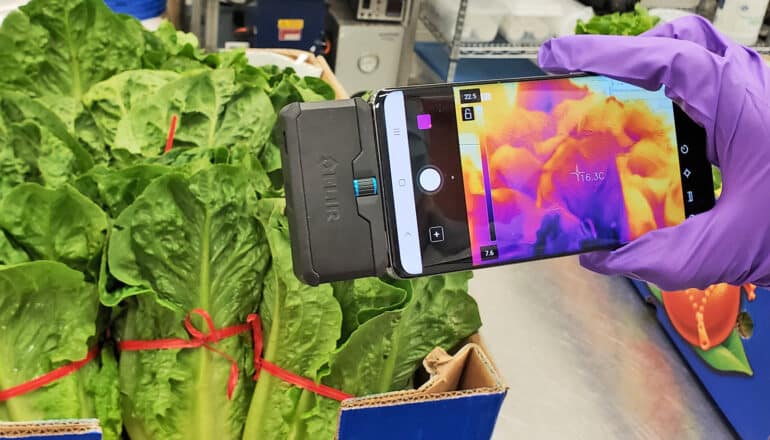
{"points": [[87, 429], [460, 400], [736, 371]]}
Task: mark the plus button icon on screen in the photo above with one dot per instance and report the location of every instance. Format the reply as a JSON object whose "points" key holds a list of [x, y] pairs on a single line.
{"points": [[436, 234]]}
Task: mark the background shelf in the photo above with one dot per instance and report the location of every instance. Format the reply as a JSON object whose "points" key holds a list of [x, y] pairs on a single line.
{"points": [[445, 61]]}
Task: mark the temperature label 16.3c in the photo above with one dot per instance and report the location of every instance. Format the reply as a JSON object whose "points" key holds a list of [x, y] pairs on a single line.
{"points": [[489, 252]]}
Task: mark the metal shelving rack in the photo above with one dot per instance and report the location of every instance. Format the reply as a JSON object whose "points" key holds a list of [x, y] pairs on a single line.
{"points": [[459, 49]]}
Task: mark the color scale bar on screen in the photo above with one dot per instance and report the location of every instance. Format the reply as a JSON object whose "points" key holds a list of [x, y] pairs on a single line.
{"points": [[401, 180]]}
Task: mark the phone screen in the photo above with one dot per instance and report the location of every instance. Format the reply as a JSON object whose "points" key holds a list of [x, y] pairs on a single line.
{"points": [[501, 172]]}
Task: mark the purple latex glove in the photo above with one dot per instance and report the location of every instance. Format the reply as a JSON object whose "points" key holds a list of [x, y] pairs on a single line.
{"points": [[726, 89]]}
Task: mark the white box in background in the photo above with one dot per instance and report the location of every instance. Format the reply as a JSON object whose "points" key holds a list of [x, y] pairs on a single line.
{"points": [[8, 6], [671, 4], [482, 18], [533, 22]]}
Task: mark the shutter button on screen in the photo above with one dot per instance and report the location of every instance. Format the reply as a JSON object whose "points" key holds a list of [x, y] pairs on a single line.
{"points": [[430, 179]]}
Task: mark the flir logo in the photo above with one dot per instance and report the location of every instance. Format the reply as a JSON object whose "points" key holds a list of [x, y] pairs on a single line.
{"points": [[328, 168]]}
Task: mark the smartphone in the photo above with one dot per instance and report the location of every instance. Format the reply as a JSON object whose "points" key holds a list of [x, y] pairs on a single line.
{"points": [[490, 173]]}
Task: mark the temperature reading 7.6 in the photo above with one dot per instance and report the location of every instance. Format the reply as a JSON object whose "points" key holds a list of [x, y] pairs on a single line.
{"points": [[489, 252]]}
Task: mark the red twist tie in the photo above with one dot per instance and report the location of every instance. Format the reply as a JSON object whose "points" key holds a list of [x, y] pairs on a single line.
{"points": [[199, 339], [171, 134], [47, 378], [287, 376]]}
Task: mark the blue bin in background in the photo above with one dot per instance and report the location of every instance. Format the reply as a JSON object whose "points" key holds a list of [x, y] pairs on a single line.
{"points": [[140, 9]]}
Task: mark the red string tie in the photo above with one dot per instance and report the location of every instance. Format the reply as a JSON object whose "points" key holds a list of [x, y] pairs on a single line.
{"points": [[287, 376], [205, 339], [198, 339], [45, 379]]}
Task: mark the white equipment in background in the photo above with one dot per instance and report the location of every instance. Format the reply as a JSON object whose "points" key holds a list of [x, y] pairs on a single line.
{"points": [[690, 5], [365, 55], [482, 18], [381, 10], [741, 20], [524, 22], [530, 22]]}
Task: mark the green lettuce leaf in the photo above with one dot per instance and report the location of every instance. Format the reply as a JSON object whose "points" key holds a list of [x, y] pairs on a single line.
{"points": [[9, 252], [385, 351], [364, 299], [63, 47], [169, 49], [35, 145], [288, 87], [213, 110], [55, 224], [188, 242], [111, 100], [627, 23], [115, 189], [48, 314], [301, 325]]}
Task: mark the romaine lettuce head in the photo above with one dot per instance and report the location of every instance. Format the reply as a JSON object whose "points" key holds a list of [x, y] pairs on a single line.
{"points": [[48, 317], [187, 242]]}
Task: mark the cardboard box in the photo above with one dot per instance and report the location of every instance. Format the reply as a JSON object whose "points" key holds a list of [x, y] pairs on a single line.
{"points": [[735, 373], [460, 400], [52, 430]]}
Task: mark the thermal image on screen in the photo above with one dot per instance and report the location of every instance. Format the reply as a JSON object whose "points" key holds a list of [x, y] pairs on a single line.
{"points": [[558, 166]]}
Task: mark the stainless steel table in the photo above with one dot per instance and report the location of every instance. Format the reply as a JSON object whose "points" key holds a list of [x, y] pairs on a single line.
{"points": [[585, 358]]}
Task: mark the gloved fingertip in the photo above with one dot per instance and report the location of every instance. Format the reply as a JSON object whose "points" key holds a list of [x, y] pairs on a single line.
{"points": [[595, 261], [548, 57]]}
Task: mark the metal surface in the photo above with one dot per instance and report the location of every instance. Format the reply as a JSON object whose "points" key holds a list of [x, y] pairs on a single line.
{"points": [[585, 358], [406, 60]]}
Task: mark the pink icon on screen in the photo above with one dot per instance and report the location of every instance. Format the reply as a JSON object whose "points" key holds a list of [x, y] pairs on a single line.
{"points": [[423, 122]]}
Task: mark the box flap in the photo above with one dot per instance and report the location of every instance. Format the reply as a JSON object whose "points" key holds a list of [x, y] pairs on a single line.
{"points": [[467, 372]]}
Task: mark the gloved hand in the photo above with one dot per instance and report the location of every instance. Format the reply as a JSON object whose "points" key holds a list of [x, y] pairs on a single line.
{"points": [[726, 89]]}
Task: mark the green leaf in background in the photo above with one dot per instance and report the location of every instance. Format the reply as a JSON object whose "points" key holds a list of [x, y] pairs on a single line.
{"points": [[111, 100], [55, 224], [213, 110], [301, 326], [169, 49], [10, 253], [102, 385], [364, 299], [35, 145], [384, 352], [728, 356], [627, 23], [114, 190], [48, 319], [288, 87], [189, 242], [63, 47]]}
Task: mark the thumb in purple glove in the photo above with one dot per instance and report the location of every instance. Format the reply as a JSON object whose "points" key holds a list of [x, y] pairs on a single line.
{"points": [[726, 89]]}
